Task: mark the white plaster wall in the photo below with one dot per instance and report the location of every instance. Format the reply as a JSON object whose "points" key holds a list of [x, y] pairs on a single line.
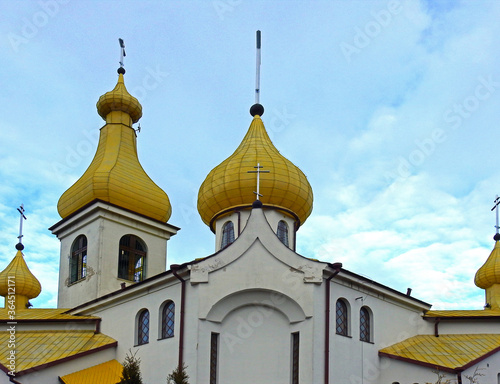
{"points": [[468, 326], [104, 229], [119, 322], [352, 360]]}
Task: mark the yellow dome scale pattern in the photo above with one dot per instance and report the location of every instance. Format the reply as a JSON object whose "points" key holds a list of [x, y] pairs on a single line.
{"points": [[489, 273], [230, 186], [115, 175], [17, 278]]}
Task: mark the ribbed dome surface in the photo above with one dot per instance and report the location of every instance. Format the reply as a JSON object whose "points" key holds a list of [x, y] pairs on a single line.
{"points": [[119, 100], [489, 273], [229, 185], [115, 175], [25, 283]]}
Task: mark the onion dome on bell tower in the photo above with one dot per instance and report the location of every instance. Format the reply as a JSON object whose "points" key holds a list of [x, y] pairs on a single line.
{"points": [[115, 175]]}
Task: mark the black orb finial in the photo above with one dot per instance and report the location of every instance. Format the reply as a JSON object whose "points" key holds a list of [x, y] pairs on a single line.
{"points": [[19, 246], [257, 109], [257, 204], [496, 237], [121, 70]]}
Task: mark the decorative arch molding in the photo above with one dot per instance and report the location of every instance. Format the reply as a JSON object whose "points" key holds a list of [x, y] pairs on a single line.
{"points": [[257, 297]]}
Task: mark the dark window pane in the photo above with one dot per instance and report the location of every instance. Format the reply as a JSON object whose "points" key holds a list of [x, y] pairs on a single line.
{"points": [[143, 328], [214, 356], [341, 318], [295, 358], [168, 320], [283, 232], [227, 234], [364, 324]]}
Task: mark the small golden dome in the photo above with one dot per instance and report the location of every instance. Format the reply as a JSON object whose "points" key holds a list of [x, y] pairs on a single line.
{"points": [[115, 175], [489, 273], [229, 185], [18, 276], [119, 100]]}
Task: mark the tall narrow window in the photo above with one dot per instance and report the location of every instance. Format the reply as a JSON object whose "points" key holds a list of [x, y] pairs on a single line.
{"points": [[78, 259], [295, 358], [132, 259], [227, 234], [143, 327], [168, 320], [214, 357], [283, 232], [341, 323], [364, 325]]}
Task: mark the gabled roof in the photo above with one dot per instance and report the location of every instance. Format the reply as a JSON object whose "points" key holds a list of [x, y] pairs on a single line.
{"points": [[463, 314], [40, 349], [450, 353], [109, 372]]}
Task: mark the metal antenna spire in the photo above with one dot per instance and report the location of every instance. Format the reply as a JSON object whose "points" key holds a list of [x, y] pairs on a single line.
{"points": [[22, 216], [497, 203], [258, 172], [257, 75], [122, 51]]}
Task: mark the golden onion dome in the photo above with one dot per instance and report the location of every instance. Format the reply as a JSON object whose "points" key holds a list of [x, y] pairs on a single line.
{"points": [[489, 273], [18, 276], [115, 175], [229, 185]]}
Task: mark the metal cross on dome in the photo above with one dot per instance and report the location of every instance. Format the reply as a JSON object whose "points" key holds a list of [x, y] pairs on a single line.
{"points": [[258, 172], [22, 216], [497, 203]]}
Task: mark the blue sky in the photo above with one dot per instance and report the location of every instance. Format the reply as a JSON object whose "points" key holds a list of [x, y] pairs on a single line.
{"points": [[391, 109]]}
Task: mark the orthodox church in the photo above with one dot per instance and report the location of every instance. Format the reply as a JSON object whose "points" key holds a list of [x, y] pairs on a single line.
{"points": [[253, 311]]}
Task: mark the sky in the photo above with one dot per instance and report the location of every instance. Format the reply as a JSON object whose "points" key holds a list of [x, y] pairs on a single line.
{"points": [[391, 109]]}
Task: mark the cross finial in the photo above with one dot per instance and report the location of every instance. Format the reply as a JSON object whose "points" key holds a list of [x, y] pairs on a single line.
{"points": [[22, 216], [258, 172], [495, 207], [122, 52]]}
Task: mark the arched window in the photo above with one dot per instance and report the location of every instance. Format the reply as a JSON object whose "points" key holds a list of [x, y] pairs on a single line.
{"points": [[364, 324], [78, 259], [143, 327], [167, 320], [132, 259], [342, 318], [227, 234], [283, 232]]}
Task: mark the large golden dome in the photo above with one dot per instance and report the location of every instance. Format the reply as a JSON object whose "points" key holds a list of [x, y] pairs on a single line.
{"points": [[229, 185], [115, 175]]}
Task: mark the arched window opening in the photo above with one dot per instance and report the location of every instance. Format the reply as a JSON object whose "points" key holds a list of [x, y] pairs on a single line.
{"points": [[364, 325], [342, 318], [78, 259], [143, 328], [283, 232], [132, 259], [168, 320], [227, 234]]}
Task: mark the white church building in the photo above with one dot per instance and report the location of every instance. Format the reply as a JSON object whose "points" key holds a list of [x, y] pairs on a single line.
{"points": [[254, 311]]}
